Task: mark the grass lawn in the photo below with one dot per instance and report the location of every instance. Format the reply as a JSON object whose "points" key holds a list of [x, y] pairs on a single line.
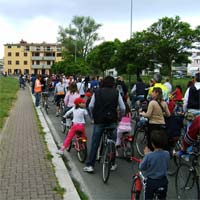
{"points": [[8, 90]]}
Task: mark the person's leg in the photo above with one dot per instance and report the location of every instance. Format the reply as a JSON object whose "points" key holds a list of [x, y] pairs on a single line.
{"points": [[37, 99], [96, 137], [119, 135], [69, 137], [149, 189]]}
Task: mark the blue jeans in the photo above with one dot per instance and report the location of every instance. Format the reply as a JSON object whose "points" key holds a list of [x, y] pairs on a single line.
{"points": [[37, 99], [96, 137]]}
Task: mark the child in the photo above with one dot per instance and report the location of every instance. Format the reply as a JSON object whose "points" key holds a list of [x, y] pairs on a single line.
{"points": [[124, 125], [79, 113], [177, 93], [155, 164]]}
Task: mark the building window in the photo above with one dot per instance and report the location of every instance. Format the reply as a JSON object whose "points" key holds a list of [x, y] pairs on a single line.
{"points": [[48, 48], [25, 54], [37, 62], [9, 54], [25, 62], [38, 49], [59, 54], [17, 62], [18, 46], [17, 53], [48, 62], [9, 62], [9, 47]]}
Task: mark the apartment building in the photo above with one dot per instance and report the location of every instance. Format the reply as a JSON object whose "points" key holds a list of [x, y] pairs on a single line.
{"points": [[28, 58]]}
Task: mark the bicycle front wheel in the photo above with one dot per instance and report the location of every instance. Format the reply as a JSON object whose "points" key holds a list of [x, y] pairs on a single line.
{"points": [[186, 183], [82, 151], [140, 141], [106, 164], [46, 107], [127, 149], [135, 194]]}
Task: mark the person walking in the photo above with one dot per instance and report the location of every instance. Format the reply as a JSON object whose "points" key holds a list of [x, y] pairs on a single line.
{"points": [[103, 106], [38, 90]]}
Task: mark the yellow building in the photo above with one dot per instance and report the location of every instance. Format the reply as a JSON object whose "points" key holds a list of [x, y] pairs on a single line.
{"points": [[28, 58]]}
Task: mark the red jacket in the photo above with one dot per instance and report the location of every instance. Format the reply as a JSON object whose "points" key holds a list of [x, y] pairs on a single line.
{"points": [[191, 136]]}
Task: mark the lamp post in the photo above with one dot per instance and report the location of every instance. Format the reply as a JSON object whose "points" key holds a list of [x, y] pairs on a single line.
{"points": [[131, 21]]}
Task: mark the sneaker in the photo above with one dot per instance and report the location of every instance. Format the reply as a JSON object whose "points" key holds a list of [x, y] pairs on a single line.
{"points": [[114, 167], [57, 114], [60, 152], [89, 169]]}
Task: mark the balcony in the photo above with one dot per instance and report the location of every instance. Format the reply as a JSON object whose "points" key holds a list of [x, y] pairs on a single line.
{"points": [[41, 66]]}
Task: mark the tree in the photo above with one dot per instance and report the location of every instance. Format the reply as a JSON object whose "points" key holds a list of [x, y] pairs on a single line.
{"points": [[172, 39], [78, 38], [102, 57]]}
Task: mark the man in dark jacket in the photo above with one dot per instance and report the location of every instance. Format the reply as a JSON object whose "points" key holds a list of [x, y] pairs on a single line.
{"points": [[192, 97], [103, 106]]}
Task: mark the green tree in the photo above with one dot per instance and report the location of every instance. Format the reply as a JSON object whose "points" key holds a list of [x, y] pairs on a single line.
{"points": [[78, 38], [102, 57], [172, 39]]}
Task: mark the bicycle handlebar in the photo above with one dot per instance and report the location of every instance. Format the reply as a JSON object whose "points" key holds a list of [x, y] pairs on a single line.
{"points": [[136, 159]]}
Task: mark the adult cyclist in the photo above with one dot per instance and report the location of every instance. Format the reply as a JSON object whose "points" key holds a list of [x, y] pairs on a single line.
{"points": [[103, 106]]}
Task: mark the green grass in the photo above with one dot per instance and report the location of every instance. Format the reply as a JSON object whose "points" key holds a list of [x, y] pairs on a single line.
{"points": [[8, 92]]}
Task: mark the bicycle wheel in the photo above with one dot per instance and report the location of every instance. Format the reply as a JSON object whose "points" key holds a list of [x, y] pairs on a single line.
{"points": [[106, 163], [127, 149], [51, 98], [135, 194], [82, 151], [63, 127], [140, 141], [174, 162], [186, 183], [46, 106]]}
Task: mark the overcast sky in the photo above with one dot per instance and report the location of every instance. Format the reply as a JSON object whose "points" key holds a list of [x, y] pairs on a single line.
{"points": [[38, 20]]}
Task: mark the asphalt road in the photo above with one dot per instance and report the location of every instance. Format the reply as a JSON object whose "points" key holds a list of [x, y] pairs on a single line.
{"points": [[118, 186]]}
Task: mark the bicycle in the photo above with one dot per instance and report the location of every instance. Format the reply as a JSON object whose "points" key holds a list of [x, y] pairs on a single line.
{"points": [[80, 145], [140, 135], [187, 180], [107, 152], [126, 145], [61, 107], [138, 184]]}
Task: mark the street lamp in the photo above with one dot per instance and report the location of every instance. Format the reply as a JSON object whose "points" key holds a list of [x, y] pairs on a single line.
{"points": [[131, 25]]}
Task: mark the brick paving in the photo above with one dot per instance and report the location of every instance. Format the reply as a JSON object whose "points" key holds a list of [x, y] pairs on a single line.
{"points": [[25, 171]]}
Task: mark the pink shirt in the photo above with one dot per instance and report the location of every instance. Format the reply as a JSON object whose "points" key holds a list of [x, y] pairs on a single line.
{"points": [[69, 98]]}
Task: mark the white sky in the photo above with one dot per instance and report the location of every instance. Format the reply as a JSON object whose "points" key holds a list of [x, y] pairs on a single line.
{"points": [[38, 20]]}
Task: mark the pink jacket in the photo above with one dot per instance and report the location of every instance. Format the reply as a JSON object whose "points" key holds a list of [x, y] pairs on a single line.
{"points": [[69, 98]]}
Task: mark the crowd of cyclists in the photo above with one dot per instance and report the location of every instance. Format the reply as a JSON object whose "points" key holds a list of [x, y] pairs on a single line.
{"points": [[108, 103]]}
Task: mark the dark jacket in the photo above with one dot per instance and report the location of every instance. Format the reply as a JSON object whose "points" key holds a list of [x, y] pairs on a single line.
{"points": [[105, 106], [194, 98]]}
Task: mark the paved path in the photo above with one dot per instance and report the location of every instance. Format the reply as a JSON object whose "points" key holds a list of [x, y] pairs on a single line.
{"points": [[25, 171]]}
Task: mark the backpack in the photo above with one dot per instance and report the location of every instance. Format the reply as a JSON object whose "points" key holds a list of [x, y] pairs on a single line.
{"points": [[120, 89]]}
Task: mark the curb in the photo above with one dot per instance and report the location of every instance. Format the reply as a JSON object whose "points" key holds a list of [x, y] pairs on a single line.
{"points": [[61, 171]]}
